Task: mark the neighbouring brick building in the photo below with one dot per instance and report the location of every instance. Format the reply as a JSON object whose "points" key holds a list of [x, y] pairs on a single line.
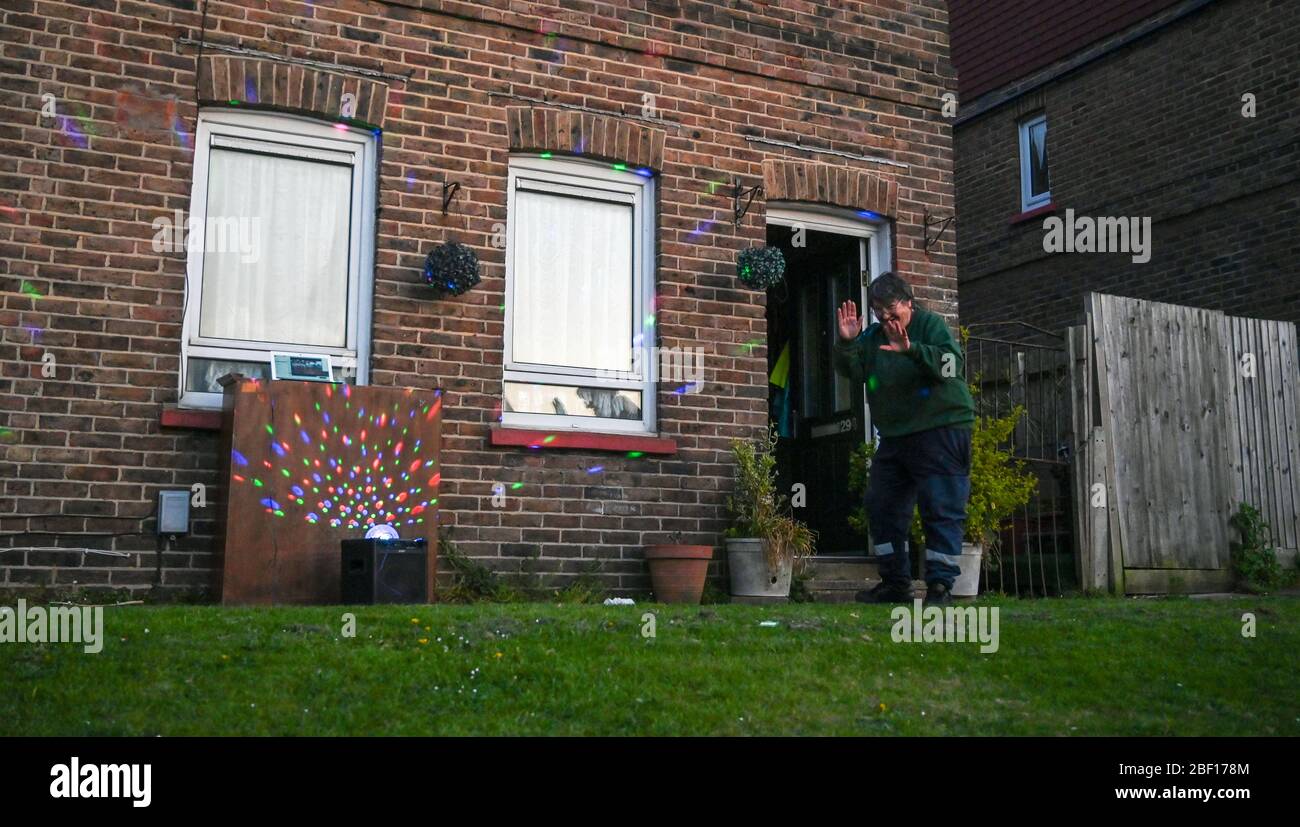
{"points": [[558, 139], [1141, 103]]}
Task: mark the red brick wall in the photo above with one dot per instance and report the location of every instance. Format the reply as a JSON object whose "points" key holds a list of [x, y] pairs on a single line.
{"points": [[83, 453], [1154, 129]]}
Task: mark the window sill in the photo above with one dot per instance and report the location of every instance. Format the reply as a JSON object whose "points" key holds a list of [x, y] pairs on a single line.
{"points": [[1030, 215], [194, 420], [528, 438]]}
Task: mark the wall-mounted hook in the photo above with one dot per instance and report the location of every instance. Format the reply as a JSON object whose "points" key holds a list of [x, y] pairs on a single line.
{"points": [[941, 223], [740, 192], [449, 190]]}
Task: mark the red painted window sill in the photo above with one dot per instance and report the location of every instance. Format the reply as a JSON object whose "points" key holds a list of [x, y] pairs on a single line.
{"points": [[588, 441], [1030, 215], [193, 420]]}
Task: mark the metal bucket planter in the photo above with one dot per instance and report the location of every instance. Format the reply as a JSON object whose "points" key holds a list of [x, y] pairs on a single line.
{"points": [[751, 579], [967, 584], [677, 571]]}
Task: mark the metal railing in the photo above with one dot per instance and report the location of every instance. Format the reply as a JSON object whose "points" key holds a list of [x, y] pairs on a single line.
{"points": [[1015, 364]]}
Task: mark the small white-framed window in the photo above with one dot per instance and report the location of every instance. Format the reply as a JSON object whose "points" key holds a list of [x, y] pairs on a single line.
{"points": [[1035, 189], [579, 337], [279, 247]]}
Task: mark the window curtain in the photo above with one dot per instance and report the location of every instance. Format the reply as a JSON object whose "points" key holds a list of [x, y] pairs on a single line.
{"points": [[1038, 158], [275, 264], [572, 282]]}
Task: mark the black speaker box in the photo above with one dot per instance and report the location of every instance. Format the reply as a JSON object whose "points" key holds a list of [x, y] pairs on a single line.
{"points": [[385, 571]]}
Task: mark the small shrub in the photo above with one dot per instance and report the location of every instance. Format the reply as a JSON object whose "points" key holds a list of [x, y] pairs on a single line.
{"points": [[714, 594], [587, 588], [1254, 559], [473, 582], [799, 591], [758, 510], [999, 483]]}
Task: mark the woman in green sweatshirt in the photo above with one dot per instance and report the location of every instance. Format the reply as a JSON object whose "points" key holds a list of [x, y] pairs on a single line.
{"points": [[923, 411]]}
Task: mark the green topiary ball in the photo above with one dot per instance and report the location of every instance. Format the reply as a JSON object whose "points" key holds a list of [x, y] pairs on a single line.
{"points": [[760, 267], [451, 268]]}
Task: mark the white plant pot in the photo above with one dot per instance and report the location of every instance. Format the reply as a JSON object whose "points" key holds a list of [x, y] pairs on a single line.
{"points": [[750, 576], [967, 584]]}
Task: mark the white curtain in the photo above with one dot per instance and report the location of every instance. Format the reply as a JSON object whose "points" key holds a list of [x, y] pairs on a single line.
{"points": [[572, 282], [1038, 142], [281, 272]]}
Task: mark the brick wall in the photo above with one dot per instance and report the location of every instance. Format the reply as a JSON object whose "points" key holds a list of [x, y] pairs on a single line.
{"points": [[1154, 129], [83, 453]]}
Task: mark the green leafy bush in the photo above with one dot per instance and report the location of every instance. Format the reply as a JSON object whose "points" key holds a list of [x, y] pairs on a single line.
{"points": [[758, 510], [586, 588], [999, 483], [760, 267], [473, 582], [1254, 559]]}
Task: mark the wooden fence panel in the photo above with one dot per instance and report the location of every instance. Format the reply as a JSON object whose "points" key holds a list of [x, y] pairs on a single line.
{"points": [[1267, 403], [1180, 430], [1150, 423], [1104, 448], [1090, 564], [1287, 527]]}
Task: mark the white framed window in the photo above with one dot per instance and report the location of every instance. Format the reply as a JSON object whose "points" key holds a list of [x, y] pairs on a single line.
{"points": [[1035, 189], [579, 285], [283, 209]]}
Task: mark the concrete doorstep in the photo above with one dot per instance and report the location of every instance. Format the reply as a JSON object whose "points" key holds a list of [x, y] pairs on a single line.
{"points": [[838, 579]]}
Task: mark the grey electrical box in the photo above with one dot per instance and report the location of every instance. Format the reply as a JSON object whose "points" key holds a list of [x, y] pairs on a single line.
{"points": [[174, 512]]}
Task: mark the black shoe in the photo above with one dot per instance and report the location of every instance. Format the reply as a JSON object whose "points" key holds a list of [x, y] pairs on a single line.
{"points": [[937, 594], [885, 593]]}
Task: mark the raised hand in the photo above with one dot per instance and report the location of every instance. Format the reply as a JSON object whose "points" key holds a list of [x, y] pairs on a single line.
{"points": [[896, 334], [846, 316]]}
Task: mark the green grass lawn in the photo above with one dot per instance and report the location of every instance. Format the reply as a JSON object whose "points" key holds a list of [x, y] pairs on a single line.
{"points": [[1065, 667]]}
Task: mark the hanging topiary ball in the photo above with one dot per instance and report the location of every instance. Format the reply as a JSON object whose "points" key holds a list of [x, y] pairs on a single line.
{"points": [[760, 267], [451, 268]]}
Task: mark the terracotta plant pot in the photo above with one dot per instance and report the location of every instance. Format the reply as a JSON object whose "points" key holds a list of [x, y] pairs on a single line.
{"points": [[677, 572]]}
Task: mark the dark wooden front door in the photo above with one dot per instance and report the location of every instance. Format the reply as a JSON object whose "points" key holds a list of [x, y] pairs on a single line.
{"points": [[825, 417]]}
